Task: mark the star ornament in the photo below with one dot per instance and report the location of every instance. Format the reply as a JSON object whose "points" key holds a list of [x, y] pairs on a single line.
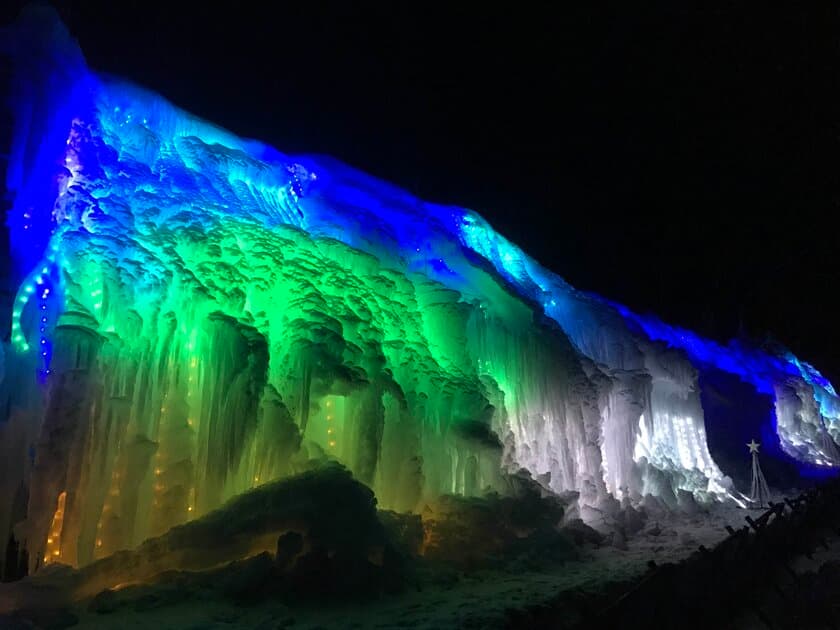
{"points": [[753, 446]]}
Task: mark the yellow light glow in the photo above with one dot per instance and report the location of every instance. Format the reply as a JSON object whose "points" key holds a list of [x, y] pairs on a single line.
{"points": [[53, 544]]}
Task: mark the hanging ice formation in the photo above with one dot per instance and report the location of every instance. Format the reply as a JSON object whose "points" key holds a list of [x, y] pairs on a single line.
{"points": [[197, 313]]}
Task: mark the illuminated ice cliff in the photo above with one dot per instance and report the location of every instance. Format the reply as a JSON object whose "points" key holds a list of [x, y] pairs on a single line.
{"points": [[197, 314]]}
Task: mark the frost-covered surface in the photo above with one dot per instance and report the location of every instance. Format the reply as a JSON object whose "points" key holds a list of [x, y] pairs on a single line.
{"points": [[200, 313]]}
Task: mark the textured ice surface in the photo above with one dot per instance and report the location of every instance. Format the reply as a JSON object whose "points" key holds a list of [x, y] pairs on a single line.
{"points": [[200, 313]]}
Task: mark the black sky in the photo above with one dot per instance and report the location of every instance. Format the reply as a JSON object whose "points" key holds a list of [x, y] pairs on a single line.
{"points": [[684, 162]]}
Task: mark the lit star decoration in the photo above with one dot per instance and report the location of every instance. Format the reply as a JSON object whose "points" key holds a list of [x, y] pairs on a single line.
{"points": [[753, 446]]}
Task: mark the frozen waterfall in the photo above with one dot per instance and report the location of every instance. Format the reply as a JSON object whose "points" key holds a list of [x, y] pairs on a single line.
{"points": [[198, 314]]}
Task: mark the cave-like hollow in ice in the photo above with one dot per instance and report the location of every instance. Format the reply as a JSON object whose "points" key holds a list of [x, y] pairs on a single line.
{"points": [[196, 314]]}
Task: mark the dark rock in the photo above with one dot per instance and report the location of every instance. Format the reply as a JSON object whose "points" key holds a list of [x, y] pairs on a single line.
{"points": [[41, 618], [225, 616], [653, 507], [619, 540], [686, 503], [404, 530], [289, 545], [687, 539], [247, 580], [312, 573], [632, 519], [104, 603], [653, 530], [473, 532], [581, 533]]}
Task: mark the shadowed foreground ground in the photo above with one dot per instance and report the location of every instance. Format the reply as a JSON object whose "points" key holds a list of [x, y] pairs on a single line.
{"points": [[313, 552]]}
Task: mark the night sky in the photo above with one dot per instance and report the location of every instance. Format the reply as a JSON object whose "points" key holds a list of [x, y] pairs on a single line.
{"points": [[682, 162]]}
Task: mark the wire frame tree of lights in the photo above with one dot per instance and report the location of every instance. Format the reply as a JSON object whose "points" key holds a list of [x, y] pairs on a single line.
{"points": [[759, 492]]}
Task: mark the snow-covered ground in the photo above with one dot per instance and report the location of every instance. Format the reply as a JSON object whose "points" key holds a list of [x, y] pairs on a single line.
{"points": [[478, 599]]}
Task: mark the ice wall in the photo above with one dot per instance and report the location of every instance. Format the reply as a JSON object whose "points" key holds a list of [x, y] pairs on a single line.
{"points": [[199, 314]]}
